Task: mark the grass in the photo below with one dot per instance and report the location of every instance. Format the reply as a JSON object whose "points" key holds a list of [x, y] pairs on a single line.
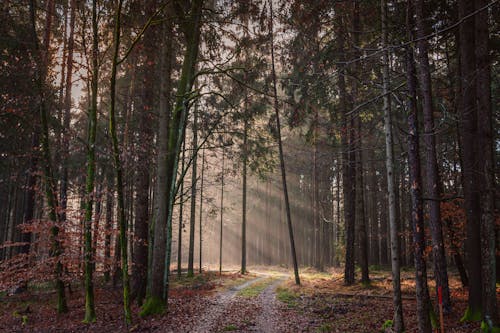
{"points": [[326, 327], [229, 328], [287, 296], [256, 288]]}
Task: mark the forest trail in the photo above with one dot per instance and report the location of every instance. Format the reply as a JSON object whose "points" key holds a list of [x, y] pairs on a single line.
{"points": [[222, 307]]}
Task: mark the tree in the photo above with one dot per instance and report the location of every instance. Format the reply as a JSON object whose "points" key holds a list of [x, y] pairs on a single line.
{"points": [[280, 148], [432, 184], [90, 180], [468, 122], [391, 189], [169, 145], [192, 218], [42, 62], [417, 213], [118, 166]]}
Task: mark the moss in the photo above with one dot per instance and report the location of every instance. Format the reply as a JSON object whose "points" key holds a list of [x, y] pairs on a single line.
{"points": [[152, 305], [470, 315], [487, 328], [89, 318], [366, 284], [433, 317]]}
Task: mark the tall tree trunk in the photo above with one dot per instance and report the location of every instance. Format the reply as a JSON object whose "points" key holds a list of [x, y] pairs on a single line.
{"points": [[318, 244], [122, 222], [108, 227], [170, 145], [432, 184], [280, 148], [90, 179], [42, 61], [201, 209], [358, 146], [244, 198], [348, 175], [66, 121], [391, 190], [221, 209], [486, 167], [30, 191], [192, 218], [469, 129], [417, 212], [145, 137], [181, 210]]}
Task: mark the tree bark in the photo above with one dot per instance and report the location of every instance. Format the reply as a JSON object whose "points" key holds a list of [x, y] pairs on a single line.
{"points": [[42, 58], [168, 165], [280, 148], [417, 213], [122, 222], [192, 218], [486, 167], [389, 148], [201, 208], [471, 187], [181, 211], [433, 183], [244, 189]]}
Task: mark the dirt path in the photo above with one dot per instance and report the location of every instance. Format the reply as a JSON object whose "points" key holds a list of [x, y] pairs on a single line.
{"points": [[267, 320], [208, 320]]}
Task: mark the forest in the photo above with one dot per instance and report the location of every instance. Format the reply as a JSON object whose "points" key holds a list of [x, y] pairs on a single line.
{"points": [[250, 166]]}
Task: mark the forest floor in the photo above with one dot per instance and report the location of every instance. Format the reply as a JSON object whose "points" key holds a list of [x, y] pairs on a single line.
{"points": [[266, 300]]}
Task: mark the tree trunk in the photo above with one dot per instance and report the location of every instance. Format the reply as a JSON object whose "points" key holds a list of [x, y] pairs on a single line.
{"points": [[244, 197], [192, 220], [221, 209], [486, 167], [432, 184], [201, 208], [472, 188], [181, 210], [122, 222], [108, 227], [42, 60], [389, 148], [66, 121], [170, 140], [280, 148], [417, 213], [145, 137], [29, 192]]}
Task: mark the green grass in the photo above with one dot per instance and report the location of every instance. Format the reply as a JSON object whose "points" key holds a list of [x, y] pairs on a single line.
{"points": [[287, 296], [325, 328], [256, 288], [229, 328]]}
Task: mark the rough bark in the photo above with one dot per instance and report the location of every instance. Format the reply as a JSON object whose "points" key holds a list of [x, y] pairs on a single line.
{"points": [[486, 167], [42, 58], [168, 164], [201, 209], [432, 183], [192, 217], [417, 213], [389, 148], [145, 136], [181, 211], [471, 186], [244, 190], [122, 222], [280, 149]]}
